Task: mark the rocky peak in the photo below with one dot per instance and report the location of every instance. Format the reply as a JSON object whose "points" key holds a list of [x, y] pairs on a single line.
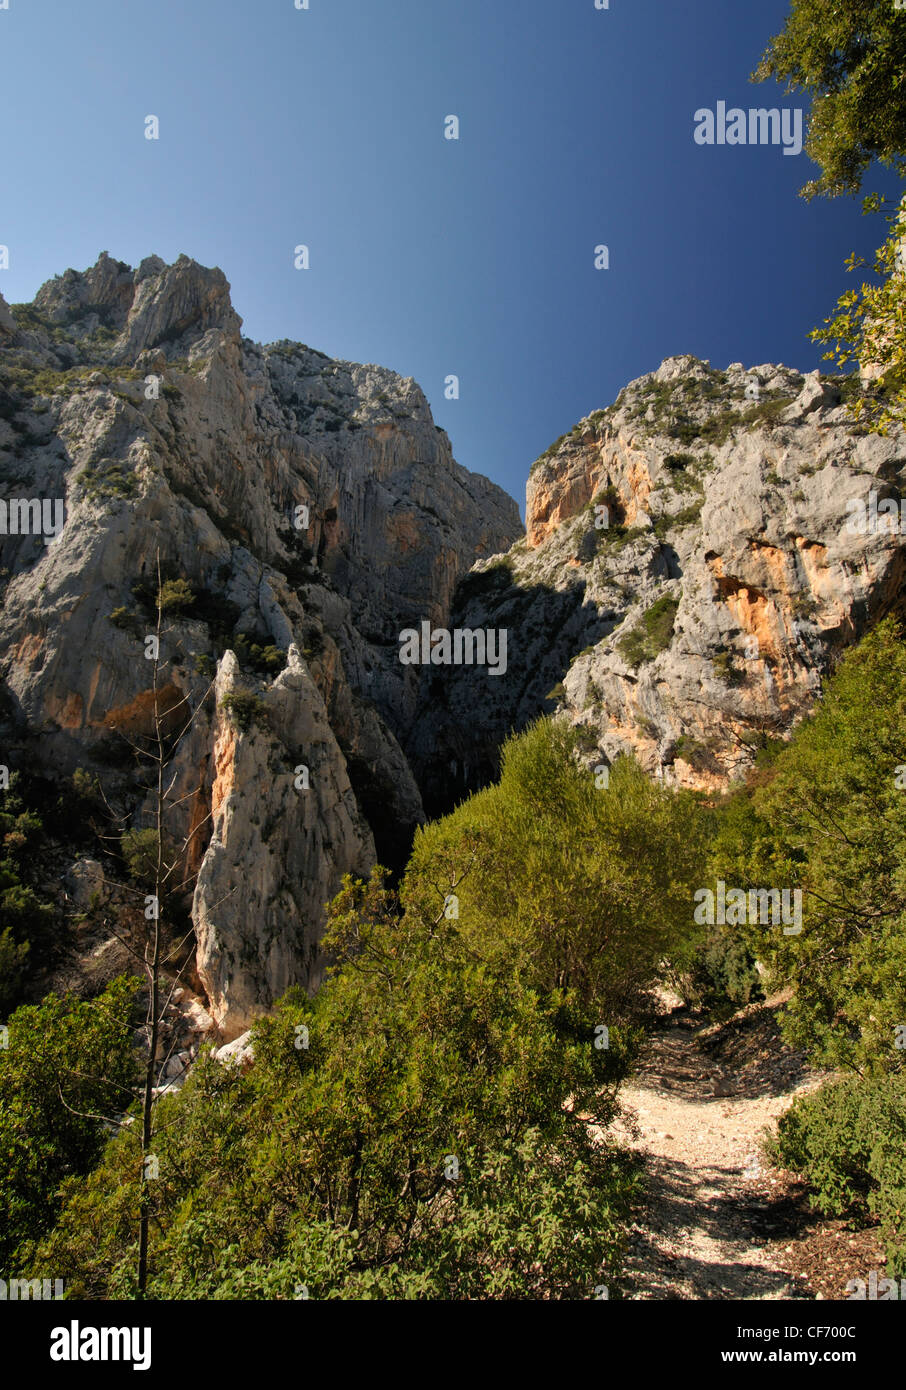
{"points": [[7, 322], [112, 313], [688, 575], [305, 511]]}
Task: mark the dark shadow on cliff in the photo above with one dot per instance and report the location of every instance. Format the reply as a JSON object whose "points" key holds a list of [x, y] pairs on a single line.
{"points": [[465, 713]]}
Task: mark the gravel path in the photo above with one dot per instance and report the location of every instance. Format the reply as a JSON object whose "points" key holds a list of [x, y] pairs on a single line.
{"points": [[712, 1209]]}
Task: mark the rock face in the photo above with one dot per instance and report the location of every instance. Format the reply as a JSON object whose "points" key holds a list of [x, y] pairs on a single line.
{"points": [[312, 508], [692, 567], [285, 825], [690, 570]]}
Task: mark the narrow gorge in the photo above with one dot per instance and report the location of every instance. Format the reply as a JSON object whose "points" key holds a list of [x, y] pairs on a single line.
{"points": [[685, 579]]}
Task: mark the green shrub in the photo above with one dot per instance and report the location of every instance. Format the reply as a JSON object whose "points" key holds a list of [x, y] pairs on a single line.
{"points": [[832, 820], [724, 670], [721, 977], [848, 1141], [126, 621], [483, 583], [68, 1064], [27, 936], [176, 596], [686, 516], [261, 660], [139, 850], [244, 708], [13, 970], [430, 1138], [652, 634], [111, 480]]}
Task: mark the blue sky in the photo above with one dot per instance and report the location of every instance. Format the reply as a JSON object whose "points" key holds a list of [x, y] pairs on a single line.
{"points": [[325, 126]]}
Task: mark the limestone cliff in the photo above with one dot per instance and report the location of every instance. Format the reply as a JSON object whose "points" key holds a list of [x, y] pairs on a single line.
{"points": [[304, 511], [691, 569], [688, 573]]}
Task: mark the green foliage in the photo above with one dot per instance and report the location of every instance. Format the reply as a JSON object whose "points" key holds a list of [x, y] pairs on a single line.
{"points": [[68, 1063], [420, 1128], [495, 579], [26, 922], [831, 819], [686, 516], [139, 849], [721, 975], [86, 788], [848, 1141], [261, 660], [126, 621], [244, 708], [724, 669], [329, 1165], [109, 480], [850, 58], [652, 634], [767, 411], [590, 884], [13, 969], [869, 327], [175, 596], [548, 453], [692, 751]]}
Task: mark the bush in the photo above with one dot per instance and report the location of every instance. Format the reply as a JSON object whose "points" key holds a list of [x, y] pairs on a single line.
{"points": [[175, 596], [833, 822], [27, 937], [13, 968], [244, 708], [139, 850], [724, 669], [652, 634], [126, 621], [722, 977], [262, 660], [419, 1145], [483, 583], [422, 1127], [601, 881], [67, 1061], [848, 1140]]}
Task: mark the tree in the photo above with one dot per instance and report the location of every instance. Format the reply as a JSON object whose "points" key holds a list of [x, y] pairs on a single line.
{"points": [[587, 886], [868, 330], [26, 935], [431, 1123], [421, 1128], [850, 57], [831, 820], [69, 1063], [159, 864]]}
